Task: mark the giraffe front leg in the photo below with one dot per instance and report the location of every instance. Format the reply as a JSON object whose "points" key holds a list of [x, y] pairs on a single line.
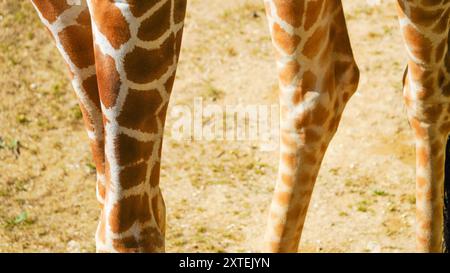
{"points": [[136, 50], [317, 75], [425, 29], [71, 30]]}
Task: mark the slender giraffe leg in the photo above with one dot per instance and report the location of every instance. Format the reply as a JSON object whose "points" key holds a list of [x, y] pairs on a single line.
{"points": [[425, 27], [70, 28], [137, 45], [317, 75]]}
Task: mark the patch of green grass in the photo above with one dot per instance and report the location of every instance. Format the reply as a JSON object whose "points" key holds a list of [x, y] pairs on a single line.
{"points": [[13, 145], [91, 167], [363, 206], [212, 92], [21, 219], [22, 119], [76, 113], [380, 193], [343, 214]]}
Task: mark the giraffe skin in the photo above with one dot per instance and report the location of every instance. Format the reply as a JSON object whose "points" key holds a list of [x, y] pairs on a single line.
{"points": [[425, 27], [122, 56], [318, 75], [70, 28]]}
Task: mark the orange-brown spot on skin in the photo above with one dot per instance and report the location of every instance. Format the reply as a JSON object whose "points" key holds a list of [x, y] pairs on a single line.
{"points": [[309, 158], [139, 8], [422, 157], [157, 24], [274, 246], [320, 115], [98, 154], [304, 178], [90, 86], [347, 75], [339, 34], [308, 83], [422, 75], [287, 180], [134, 175], [158, 208], [423, 18], [288, 43], [273, 216], [288, 140], [420, 196], [283, 198], [291, 12], [108, 79], [143, 66], [86, 118], [303, 120], [445, 128], [312, 13], [421, 182], [127, 211], [289, 72], [323, 148], [179, 11], [126, 245], [51, 9], [84, 18], [418, 130], [129, 150], [311, 136], [433, 112], [152, 239], [329, 82], [442, 25], [420, 46], [77, 43], [294, 213], [140, 111], [154, 177], [290, 160], [314, 43], [422, 241], [279, 229], [332, 125], [111, 22], [149, 240]]}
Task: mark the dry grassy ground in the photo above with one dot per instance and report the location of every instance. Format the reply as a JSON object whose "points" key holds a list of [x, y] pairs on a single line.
{"points": [[217, 192]]}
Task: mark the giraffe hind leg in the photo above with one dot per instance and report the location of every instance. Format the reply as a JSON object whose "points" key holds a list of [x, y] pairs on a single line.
{"points": [[317, 75], [425, 29]]}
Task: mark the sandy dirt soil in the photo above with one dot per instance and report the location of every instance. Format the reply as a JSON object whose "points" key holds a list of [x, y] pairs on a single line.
{"points": [[217, 192]]}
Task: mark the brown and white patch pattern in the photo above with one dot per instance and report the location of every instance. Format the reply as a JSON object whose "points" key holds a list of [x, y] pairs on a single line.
{"points": [[122, 57], [317, 75], [425, 27], [136, 53]]}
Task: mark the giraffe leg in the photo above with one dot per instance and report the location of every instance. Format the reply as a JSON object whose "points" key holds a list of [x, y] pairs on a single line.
{"points": [[317, 75], [425, 28], [70, 28], [137, 45]]}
